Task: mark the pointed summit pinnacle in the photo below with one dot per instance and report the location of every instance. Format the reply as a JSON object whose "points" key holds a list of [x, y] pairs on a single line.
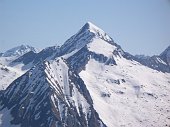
{"points": [[84, 36], [91, 27]]}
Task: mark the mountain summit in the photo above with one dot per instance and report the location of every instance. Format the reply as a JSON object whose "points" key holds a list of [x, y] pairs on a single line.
{"points": [[87, 82], [165, 55], [86, 35], [90, 27], [19, 51]]}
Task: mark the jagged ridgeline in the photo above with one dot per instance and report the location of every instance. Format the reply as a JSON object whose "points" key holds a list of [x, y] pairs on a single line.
{"points": [[90, 81]]}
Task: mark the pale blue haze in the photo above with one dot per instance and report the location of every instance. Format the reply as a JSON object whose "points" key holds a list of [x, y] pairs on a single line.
{"points": [[139, 26]]}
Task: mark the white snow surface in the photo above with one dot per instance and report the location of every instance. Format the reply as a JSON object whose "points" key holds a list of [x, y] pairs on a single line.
{"points": [[58, 72], [100, 46], [85, 36], [98, 31], [143, 100], [8, 75], [7, 60], [124, 95], [19, 51]]}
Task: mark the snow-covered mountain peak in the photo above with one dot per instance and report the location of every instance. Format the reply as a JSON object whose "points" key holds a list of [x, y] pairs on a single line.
{"points": [[55, 93], [19, 51], [98, 32], [166, 51], [89, 33], [87, 82], [90, 26], [165, 55]]}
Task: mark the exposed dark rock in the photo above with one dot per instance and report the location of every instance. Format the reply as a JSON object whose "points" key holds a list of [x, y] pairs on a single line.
{"points": [[25, 59], [39, 103]]}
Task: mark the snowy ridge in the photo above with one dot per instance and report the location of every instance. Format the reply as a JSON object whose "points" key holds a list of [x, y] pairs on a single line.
{"points": [[50, 85], [8, 75], [8, 71], [165, 55], [99, 46], [96, 30], [127, 94], [157, 62], [88, 82], [85, 35], [19, 51]]}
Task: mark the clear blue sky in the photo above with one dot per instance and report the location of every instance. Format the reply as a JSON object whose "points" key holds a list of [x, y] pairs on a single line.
{"points": [[139, 26]]}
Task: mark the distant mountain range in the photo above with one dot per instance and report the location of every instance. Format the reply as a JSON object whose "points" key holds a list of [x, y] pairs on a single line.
{"points": [[90, 81], [19, 51]]}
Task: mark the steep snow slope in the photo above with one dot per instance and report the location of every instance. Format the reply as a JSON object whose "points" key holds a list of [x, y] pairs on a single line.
{"points": [[50, 94], [84, 36], [9, 72], [99, 46], [125, 93], [7, 75], [128, 94], [89, 81]]}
